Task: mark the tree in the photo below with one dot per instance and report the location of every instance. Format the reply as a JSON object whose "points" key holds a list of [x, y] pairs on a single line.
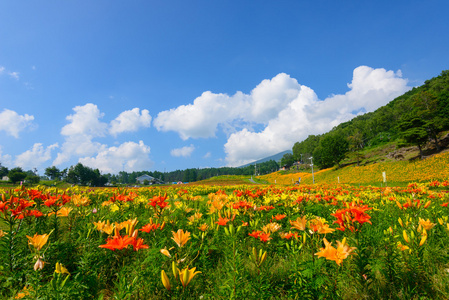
{"points": [[287, 160], [427, 109], [355, 144], [412, 130], [307, 146], [53, 173], [32, 177], [3, 171], [332, 149], [16, 175]]}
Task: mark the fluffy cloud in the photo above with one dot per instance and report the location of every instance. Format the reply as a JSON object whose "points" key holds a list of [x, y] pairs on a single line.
{"points": [[83, 127], [13, 123], [200, 119], [130, 120], [285, 110], [127, 157], [85, 121], [5, 159], [35, 157], [306, 114], [183, 152]]}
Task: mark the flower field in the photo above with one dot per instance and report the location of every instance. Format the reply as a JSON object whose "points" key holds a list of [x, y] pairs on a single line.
{"points": [[435, 167], [226, 242]]}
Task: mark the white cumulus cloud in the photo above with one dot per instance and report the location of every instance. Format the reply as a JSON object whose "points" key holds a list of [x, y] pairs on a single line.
{"points": [[130, 120], [128, 157], [5, 159], [84, 125], [35, 157], [182, 152], [283, 110], [13, 123], [306, 114], [201, 119], [85, 121]]}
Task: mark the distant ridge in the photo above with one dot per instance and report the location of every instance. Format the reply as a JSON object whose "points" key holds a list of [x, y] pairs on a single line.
{"points": [[276, 158]]}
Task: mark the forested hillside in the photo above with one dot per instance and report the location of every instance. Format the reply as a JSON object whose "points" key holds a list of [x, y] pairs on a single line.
{"points": [[416, 118]]}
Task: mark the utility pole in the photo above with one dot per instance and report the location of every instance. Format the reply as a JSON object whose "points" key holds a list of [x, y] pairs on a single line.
{"points": [[311, 163]]}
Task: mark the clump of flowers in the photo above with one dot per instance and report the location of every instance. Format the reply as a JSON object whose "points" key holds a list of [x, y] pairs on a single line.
{"points": [[352, 217], [336, 254]]}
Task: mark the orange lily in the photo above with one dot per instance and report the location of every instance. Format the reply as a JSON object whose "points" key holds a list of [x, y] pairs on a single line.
{"points": [[118, 242], [64, 211], [426, 224], [336, 254], [38, 240], [180, 237], [300, 223]]}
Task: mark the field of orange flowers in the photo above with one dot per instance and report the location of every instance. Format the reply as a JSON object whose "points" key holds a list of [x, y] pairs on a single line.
{"points": [[432, 168], [226, 242]]}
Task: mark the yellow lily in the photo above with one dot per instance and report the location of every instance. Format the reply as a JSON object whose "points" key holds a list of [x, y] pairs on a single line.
{"points": [[61, 269], [165, 280], [165, 252], [186, 275], [404, 234]]}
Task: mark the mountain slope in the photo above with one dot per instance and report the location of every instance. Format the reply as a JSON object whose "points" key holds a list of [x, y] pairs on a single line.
{"points": [[277, 157]]}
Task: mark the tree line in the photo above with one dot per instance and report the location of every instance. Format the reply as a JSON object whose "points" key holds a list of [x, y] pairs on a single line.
{"points": [[415, 118], [84, 175]]}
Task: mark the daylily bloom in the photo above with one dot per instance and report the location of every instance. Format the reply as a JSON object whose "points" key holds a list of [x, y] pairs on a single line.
{"points": [[79, 200], [336, 254], [39, 265], [138, 244], [222, 221], [117, 242], [426, 224], [203, 227], [300, 223], [165, 252], [150, 227], [279, 217], [402, 247], [287, 235], [38, 240], [319, 225], [255, 234], [186, 275], [165, 280], [25, 292], [264, 237], [271, 227], [61, 269], [64, 211], [104, 226], [180, 237]]}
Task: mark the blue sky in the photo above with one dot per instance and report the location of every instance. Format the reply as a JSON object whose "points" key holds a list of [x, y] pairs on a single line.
{"points": [[166, 85]]}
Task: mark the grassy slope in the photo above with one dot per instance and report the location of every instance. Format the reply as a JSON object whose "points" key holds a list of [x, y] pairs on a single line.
{"points": [[435, 167]]}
